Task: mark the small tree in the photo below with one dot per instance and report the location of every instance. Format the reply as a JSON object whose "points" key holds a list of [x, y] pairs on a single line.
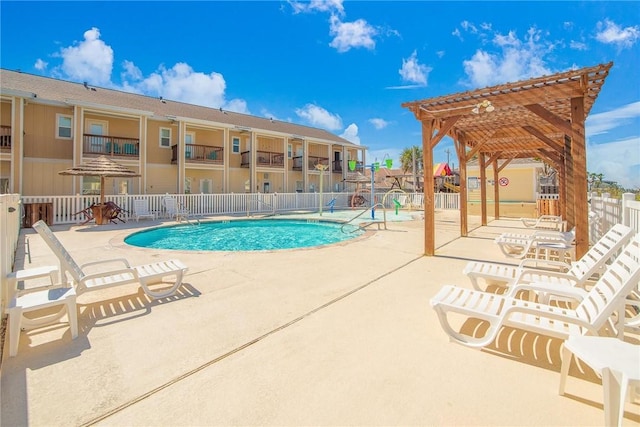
{"points": [[407, 157]]}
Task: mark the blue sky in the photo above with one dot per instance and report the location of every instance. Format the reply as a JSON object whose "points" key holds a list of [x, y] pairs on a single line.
{"points": [[345, 66]]}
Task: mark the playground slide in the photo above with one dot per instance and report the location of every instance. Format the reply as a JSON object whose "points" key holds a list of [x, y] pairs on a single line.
{"points": [[454, 188]]}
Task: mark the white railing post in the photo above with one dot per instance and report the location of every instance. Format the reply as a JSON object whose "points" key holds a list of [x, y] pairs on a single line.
{"points": [[626, 198]]}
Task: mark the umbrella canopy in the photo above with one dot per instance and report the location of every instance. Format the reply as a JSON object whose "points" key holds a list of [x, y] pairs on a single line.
{"points": [[103, 167]]}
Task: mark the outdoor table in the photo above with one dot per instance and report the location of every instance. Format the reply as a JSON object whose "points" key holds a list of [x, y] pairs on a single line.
{"points": [[618, 363]]}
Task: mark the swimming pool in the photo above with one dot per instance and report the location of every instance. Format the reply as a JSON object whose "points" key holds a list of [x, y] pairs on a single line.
{"points": [[244, 235]]}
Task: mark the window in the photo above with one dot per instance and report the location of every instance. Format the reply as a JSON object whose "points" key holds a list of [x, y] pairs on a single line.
{"points": [[165, 137], [289, 151], [63, 127], [235, 148]]}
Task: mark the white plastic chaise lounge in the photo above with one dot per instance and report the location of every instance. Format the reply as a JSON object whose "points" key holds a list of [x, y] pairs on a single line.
{"points": [[552, 272], [544, 222], [522, 245], [606, 297], [141, 210], [145, 275]]}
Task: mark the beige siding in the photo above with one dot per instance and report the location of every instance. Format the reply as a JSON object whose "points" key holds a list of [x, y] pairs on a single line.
{"points": [[237, 179], [41, 178], [5, 113], [156, 153], [521, 186], [161, 179], [118, 126], [196, 176], [40, 133], [275, 180]]}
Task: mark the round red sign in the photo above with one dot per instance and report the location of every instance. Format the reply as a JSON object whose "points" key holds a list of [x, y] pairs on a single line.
{"points": [[504, 181]]}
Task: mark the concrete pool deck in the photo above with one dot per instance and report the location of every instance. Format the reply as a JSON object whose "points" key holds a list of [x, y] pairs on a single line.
{"points": [[338, 335]]}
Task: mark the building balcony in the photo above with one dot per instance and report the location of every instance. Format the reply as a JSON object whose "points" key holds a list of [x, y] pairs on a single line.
{"points": [[113, 146], [263, 158], [198, 153], [312, 161]]}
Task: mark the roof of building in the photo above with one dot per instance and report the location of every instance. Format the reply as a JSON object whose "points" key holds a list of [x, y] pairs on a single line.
{"points": [[43, 89]]}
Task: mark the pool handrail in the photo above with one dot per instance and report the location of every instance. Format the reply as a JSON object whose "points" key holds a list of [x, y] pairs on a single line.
{"points": [[384, 215]]}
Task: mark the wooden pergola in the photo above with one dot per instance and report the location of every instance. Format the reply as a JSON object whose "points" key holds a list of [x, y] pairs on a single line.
{"points": [[541, 118]]}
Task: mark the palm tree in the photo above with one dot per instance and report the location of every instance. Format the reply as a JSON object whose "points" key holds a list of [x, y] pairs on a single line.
{"points": [[407, 157]]}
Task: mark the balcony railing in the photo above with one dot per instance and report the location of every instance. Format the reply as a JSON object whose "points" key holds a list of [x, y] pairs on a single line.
{"points": [[263, 158], [312, 161], [198, 153], [5, 137], [110, 145]]}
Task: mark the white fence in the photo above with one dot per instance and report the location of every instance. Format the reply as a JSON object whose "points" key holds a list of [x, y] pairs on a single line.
{"points": [[10, 231], [67, 209], [613, 211]]}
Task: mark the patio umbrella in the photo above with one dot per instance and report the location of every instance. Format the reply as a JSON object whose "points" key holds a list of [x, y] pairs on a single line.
{"points": [[104, 168]]}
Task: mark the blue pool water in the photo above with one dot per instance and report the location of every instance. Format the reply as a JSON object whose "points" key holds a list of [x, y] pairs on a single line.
{"points": [[244, 235]]}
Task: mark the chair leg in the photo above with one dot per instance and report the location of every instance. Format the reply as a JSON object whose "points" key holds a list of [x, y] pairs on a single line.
{"points": [[15, 317], [72, 313]]}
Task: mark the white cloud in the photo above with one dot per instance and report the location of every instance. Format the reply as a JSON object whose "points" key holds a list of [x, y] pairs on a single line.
{"points": [[456, 33], [379, 123], [237, 105], [318, 116], [40, 65], [468, 26], [610, 33], [600, 123], [131, 72], [574, 44], [90, 60], [317, 5], [515, 60], [182, 83], [414, 72], [351, 134], [347, 35], [617, 160]]}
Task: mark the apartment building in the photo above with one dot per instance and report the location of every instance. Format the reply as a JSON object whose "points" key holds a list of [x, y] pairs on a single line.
{"points": [[48, 125]]}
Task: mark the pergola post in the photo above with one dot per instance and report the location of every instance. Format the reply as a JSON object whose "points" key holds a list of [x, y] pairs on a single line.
{"points": [[496, 191], [462, 158], [483, 189], [579, 154], [429, 208]]}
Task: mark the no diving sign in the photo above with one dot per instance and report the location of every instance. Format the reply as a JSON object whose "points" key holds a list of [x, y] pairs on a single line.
{"points": [[504, 181]]}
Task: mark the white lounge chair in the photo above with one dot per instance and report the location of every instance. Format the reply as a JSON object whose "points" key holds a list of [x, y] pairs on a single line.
{"points": [[590, 317], [544, 222], [522, 245], [85, 281], [174, 209], [28, 301], [534, 270], [141, 209]]}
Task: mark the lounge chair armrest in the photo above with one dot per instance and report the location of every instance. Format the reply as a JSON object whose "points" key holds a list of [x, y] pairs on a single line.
{"points": [[549, 289], [107, 261], [539, 263], [550, 273], [546, 311], [25, 275]]}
